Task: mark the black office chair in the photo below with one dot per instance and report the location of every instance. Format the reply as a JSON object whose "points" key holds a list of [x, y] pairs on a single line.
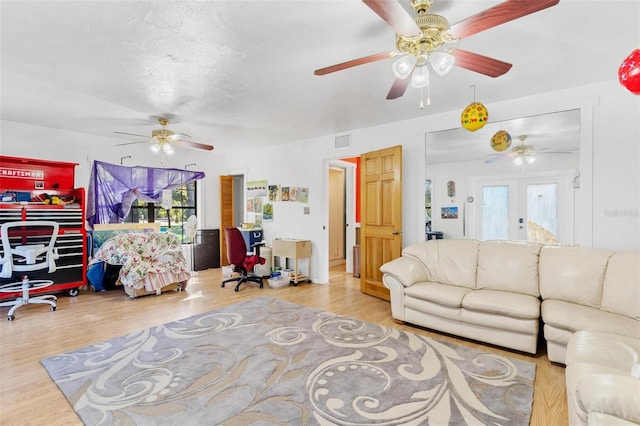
{"points": [[241, 261]]}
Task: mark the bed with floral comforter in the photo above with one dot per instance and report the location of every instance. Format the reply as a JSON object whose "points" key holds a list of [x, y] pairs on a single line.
{"points": [[149, 260]]}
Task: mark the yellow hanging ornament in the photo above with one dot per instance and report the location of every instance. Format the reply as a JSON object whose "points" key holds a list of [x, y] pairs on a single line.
{"points": [[474, 116], [500, 141]]}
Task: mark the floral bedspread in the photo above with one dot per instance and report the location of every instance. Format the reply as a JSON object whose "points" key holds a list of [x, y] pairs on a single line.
{"points": [[143, 257]]}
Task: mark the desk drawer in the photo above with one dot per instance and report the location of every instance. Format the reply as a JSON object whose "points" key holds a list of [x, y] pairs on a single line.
{"points": [[291, 248]]}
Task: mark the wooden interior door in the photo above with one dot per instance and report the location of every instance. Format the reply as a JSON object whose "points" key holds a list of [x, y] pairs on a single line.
{"points": [[226, 214], [381, 216]]}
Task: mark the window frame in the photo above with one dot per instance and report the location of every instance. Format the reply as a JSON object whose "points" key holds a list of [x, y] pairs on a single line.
{"points": [[184, 204]]}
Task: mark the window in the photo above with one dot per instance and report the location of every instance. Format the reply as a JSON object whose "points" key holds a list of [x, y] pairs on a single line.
{"points": [[183, 205]]}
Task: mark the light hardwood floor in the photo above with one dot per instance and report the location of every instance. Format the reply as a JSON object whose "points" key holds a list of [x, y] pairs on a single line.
{"points": [[29, 397]]}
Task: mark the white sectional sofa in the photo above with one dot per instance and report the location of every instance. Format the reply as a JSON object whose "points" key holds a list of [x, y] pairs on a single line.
{"points": [[492, 291], [588, 289], [486, 291]]}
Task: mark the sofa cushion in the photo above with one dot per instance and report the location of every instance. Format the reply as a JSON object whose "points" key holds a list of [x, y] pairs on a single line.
{"points": [[452, 262], [500, 322], [416, 308], [503, 303], [509, 266], [621, 290], [569, 316], [447, 295], [573, 274]]}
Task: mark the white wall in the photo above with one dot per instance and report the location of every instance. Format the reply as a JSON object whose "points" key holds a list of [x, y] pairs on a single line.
{"points": [[616, 169], [22, 140], [607, 213], [607, 203]]}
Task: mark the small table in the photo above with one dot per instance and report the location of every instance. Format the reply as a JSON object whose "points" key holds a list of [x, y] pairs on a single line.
{"points": [[294, 249], [434, 235]]}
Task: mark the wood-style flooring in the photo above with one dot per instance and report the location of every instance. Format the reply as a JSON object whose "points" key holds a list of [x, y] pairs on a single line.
{"points": [[29, 397]]}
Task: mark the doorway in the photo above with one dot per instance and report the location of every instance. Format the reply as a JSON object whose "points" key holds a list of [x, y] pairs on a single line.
{"points": [[231, 208], [340, 187], [337, 219]]}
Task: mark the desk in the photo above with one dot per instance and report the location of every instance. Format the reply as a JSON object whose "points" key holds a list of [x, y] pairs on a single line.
{"points": [[294, 249]]}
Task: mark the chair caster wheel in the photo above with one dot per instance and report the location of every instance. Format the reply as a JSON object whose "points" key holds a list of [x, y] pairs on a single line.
{"points": [[11, 317], [222, 285], [53, 309], [73, 292]]}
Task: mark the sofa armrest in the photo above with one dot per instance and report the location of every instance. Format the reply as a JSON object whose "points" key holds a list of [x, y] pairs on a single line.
{"points": [[406, 270], [398, 274], [614, 395]]}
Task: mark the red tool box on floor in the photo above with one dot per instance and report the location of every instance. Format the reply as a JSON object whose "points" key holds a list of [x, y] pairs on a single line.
{"points": [[33, 189]]}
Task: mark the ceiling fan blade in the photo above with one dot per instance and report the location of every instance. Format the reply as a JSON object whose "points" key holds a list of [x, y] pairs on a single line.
{"points": [[393, 14], [195, 145], [132, 143], [398, 88], [497, 15], [131, 134], [178, 136], [492, 158], [355, 63], [480, 64]]}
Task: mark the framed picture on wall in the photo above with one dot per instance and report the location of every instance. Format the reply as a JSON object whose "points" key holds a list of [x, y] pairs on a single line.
{"points": [[303, 195], [267, 212], [449, 212], [274, 193]]}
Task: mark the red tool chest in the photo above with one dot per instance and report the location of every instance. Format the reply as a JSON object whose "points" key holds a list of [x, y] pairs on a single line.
{"points": [[34, 189]]}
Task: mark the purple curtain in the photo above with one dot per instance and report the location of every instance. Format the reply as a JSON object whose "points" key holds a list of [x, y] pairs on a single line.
{"points": [[113, 189]]}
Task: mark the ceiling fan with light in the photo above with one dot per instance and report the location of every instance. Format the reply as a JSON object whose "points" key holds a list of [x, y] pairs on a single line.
{"points": [[164, 140], [419, 41], [521, 154]]}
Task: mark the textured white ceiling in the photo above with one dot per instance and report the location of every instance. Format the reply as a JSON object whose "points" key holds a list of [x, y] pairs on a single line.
{"points": [[239, 74]]}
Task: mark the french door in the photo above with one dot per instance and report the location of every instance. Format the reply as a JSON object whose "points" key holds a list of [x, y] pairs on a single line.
{"points": [[531, 209]]}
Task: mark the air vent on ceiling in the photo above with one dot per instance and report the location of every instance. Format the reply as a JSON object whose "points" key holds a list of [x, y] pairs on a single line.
{"points": [[343, 141]]}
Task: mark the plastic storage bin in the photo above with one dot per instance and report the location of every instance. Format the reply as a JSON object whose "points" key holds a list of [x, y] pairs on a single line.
{"points": [[278, 282]]}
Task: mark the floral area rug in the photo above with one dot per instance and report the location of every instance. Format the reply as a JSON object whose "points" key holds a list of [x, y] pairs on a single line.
{"points": [[270, 362]]}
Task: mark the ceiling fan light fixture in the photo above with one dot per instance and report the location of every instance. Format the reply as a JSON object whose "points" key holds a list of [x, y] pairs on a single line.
{"points": [[168, 149], [155, 147], [530, 159], [442, 62], [403, 66], [517, 161], [420, 77]]}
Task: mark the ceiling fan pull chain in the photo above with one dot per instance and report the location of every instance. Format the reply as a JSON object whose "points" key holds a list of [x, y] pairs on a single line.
{"points": [[421, 103], [429, 95]]}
